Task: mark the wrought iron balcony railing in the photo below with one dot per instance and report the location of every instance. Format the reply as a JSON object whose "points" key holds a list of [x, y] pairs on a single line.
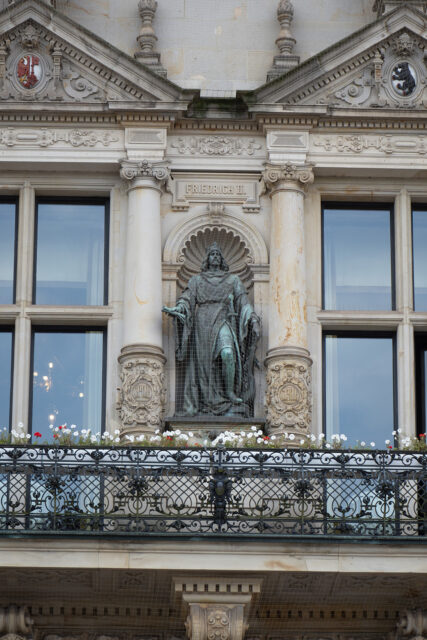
{"points": [[48, 490]]}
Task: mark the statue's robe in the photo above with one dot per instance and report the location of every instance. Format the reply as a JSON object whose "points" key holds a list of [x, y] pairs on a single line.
{"points": [[217, 314]]}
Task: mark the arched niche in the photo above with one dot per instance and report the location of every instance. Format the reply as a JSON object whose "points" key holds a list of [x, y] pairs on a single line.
{"points": [[247, 256], [242, 245]]}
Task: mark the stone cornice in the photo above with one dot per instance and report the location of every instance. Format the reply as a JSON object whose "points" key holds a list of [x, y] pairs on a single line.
{"points": [[156, 172], [289, 176]]}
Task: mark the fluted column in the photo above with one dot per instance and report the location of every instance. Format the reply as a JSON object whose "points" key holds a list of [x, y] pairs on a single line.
{"points": [[142, 394], [288, 360]]}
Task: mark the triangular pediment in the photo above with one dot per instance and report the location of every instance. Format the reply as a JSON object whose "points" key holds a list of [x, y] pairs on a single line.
{"points": [[379, 66], [48, 59]]}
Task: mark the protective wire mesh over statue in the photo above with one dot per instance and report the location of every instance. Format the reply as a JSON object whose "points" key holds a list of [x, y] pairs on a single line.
{"points": [[217, 331]]}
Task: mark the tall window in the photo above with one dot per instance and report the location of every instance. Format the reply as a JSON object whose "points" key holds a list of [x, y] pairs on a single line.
{"points": [[6, 345], [8, 225], [67, 379], [71, 255], [359, 386], [357, 257], [419, 244]]}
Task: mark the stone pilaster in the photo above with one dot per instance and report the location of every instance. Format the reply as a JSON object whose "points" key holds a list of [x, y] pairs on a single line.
{"points": [[288, 361], [15, 623], [142, 394], [217, 609]]}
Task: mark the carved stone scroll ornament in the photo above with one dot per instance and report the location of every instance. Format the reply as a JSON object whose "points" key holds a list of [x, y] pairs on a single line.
{"points": [[15, 623], [288, 396], [298, 175], [142, 395], [216, 146], [131, 169], [216, 622], [412, 625]]}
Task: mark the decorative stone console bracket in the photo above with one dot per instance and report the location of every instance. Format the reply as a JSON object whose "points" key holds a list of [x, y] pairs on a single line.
{"points": [[218, 609], [141, 398]]}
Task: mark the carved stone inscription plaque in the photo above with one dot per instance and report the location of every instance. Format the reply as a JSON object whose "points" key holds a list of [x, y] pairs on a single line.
{"points": [[241, 190]]}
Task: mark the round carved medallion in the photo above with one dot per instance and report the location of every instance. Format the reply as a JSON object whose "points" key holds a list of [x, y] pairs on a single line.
{"points": [[404, 79], [29, 71], [140, 392], [290, 394]]}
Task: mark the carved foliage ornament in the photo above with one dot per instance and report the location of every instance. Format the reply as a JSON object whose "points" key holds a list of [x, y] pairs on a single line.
{"points": [[274, 175], [144, 169], [142, 395], [216, 622], [15, 621], [288, 395], [216, 146]]}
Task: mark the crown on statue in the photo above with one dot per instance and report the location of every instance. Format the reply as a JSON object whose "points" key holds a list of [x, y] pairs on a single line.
{"points": [[213, 247]]}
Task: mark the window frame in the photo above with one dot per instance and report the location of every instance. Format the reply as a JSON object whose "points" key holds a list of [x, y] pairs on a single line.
{"points": [[69, 329], [61, 200], [363, 206], [415, 206], [361, 334], [13, 200], [10, 329]]}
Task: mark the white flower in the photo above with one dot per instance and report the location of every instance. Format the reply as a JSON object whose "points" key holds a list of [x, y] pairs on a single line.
{"points": [[328, 446], [343, 437], [302, 441], [291, 436], [93, 438], [399, 430], [190, 434], [387, 442], [177, 432], [363, 443], [372, 444], [84, 432], [393, 433], [259, 440], [321, 436], [20, 425], [116, 439], [312, 437], [51, 426], [273, 438], [140, 438], [242, 433], [117, 432], [72, 426], [254, 428], [28, 436]]}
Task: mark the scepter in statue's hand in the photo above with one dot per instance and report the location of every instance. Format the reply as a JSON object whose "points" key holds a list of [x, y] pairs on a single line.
{"points": [[175, 312]]}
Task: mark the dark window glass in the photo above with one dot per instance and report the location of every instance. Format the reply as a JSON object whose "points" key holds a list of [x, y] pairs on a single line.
{"points": [[357, 273], [359, 388], [6, 342], [421, 379], [71, 254], [67, 380], [7, 251], [419, 244]]}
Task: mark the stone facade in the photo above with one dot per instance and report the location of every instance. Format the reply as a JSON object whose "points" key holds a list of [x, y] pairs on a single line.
{"points": [[115, 100]]}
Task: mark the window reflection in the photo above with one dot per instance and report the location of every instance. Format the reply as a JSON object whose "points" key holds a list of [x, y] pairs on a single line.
{"points": [[7, 251], [67, 380], [359, 388], [357, 259], [419, 244], [70, 249], [6, 341]]}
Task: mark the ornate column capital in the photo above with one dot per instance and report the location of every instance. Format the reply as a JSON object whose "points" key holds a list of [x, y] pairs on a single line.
{"points": [[15, 623], [217, 608], [144, 173], [287, 177]]}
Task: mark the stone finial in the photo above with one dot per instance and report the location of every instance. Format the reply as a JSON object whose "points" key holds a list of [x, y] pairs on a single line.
{"points": [[286, 42], [147, 38]]}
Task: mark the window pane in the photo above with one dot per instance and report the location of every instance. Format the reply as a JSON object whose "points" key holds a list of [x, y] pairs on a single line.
{"points": [[7, 251], [357, 259], [5, 377], [359, 388], [419, 244], [67, 380], [70, 254]]}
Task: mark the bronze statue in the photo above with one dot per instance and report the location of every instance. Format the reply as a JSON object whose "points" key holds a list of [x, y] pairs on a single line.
{"points": [[217, 331]]}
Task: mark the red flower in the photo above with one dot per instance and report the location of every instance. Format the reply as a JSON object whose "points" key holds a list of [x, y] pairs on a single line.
{"points": [[389, 446], [422, 435], [60, 427], [55, 435], [266, 438], [168, 437], [37, 434]]}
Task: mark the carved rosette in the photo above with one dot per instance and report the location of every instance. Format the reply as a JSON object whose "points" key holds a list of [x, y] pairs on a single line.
{"points": [[142, 395], [155, 171], [288, 396], [288, 176]]}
